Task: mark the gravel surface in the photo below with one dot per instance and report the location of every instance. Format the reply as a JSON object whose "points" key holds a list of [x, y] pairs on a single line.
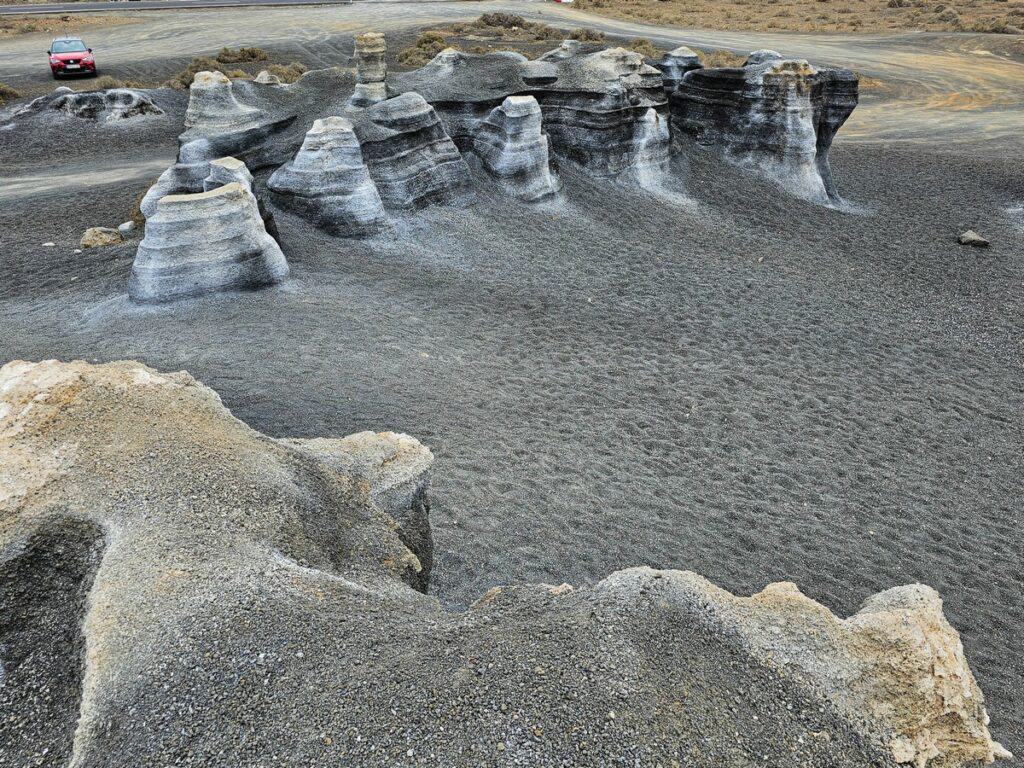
{"points": [[718, 377]]}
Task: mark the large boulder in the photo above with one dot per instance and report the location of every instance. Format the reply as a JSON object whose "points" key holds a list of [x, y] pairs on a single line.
{"points": [[328, 182], [777, 115], [178, 583], [410, 156], [205, 242]]}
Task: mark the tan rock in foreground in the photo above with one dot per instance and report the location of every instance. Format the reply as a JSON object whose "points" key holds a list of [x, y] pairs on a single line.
{"points": [[253, 595], [98, 237]]}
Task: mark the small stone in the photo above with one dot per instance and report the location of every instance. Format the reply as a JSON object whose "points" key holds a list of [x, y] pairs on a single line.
{"points": [[126, 228], [98, 237], [973, 239], [48, 245]]}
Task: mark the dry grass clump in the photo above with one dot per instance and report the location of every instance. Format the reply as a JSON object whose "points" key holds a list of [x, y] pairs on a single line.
{"points": [[505, 26], [7, 93], [426, 47], [240, 55], [183, 79], [645, 48], [491, 32], [585, 35], [719, 58], [288, 73], [57, 25], [992, 16]]}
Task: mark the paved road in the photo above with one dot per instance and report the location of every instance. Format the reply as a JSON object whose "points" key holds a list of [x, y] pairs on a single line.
{"points": [[148, 5], [942, 87]]}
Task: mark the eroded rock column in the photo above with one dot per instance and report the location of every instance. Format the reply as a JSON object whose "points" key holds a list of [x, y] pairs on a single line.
{"points": [[204, 243], [371, 70], [328, 182]]}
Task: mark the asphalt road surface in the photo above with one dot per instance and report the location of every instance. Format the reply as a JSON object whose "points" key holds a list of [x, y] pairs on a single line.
{"points": [[956, 87]]}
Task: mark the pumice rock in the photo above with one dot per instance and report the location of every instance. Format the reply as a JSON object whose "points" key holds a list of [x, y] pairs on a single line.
{"points": [[675, 64], [596, 107], [228, 170], [328, 182], [99, 237], [774, 114], [410, 157], [218, 125], [204, 243], [371, 70], [180, 567], [514, 150]]}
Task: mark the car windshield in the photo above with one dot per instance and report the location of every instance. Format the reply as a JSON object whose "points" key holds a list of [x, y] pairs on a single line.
{"points": [[68, 46]]}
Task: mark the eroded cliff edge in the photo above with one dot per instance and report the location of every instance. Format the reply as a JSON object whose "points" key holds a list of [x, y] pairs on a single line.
{"points": [[251, 598]]}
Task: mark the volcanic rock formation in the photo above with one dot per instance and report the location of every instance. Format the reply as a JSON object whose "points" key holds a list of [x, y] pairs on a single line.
{"points": [[228, 170], [328, 182], [410, 156], [250, 597], [776, 114], [514, 150], [676, 63], [371, 70], [110, 106], [605, 110], [218, 125], [204, 243]]}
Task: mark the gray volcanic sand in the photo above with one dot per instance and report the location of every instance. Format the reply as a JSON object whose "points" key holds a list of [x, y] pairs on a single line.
{"points": [[719, 377]]}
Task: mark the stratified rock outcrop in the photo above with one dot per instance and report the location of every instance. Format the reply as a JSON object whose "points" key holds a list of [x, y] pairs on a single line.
{"points": [[230, 170], [250, 596], [328, 182], [204, 243], [410, 157], [110, 106], [675, 64], [514, 150], [775, 114], [218, 125], [371, 70], [605, 111]]}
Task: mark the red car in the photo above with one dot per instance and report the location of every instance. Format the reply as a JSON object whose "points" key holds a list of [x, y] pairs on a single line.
{"points": [[69, 56]]}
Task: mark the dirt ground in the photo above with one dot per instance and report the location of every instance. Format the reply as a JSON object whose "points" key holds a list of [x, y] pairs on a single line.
{"points": [[999, 16]]}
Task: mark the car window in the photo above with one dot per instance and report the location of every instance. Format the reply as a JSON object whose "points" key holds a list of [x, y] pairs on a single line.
{"points": [[67, 46]]}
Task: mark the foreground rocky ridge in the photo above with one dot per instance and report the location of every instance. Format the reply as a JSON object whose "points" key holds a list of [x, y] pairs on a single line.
{"points": [[229, 572]]}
